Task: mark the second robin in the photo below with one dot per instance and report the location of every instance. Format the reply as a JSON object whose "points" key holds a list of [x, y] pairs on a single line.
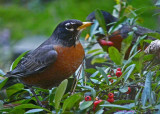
{"points": [[117, 36], [54, 60]]}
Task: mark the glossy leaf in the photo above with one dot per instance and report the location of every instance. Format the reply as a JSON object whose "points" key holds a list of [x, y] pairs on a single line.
{"points": [[98, 60], [60, 92], [85, 105], [14, 64], [154, 34], [14, 89], [33, 111], [115, 106], [100, 18], [128, 71], [137, 96], [139, 39], [123, 89], [3, 82], [93, 92], [103, 74], [146, 94], [126, 44], [117, 24], [90, 70], [93, 51], [115, 55], [26, 106], [153, 98], [70, 101]]}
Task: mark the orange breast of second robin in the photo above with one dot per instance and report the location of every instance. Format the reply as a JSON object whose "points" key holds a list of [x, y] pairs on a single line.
{"points": [[116, 39], [67, 62]]}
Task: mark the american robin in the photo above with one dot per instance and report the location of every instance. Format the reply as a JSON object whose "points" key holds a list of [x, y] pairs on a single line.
{"points": [[54, 60], [117, 36]]}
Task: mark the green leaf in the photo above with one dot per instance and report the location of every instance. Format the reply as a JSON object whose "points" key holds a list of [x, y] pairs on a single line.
{"points": [[100, 111], [17, 111], [154, 34], [52, 95], [90, 70], [98, 60], [85, 105], [114, 55], [92, 51], [100, 19], [24, 106], [138, 60], [60, 92], [115, 106], [3, 82], [124, 101], [123, 89], [126, 44], [94, 27], [33, 111], [139, 39], [130, 59], [117, 24], [129, 70], [153, 98], [70, 101], [93, 92], [14, 89], [148, 57], [14, 64], [137, 96], [103, 74], [146, 94]]}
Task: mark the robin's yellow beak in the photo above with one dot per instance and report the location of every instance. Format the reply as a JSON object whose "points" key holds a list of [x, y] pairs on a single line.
{"points": [[84, 25]]}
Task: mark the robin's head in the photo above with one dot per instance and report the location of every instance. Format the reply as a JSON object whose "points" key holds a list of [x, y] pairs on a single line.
{"points": [[68, 32]]}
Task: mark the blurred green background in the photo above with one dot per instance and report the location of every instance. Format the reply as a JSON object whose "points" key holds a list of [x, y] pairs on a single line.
{"points": [[25, 18], [32, 17]]}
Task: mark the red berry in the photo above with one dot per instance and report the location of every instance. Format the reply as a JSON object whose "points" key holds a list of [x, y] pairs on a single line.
{"points": [[110, 95], [103, 42], [111, 100], [97, 102], [111, 80], [88, 98], [118, 69], [118, 73], [109, 43], [129, 90]]}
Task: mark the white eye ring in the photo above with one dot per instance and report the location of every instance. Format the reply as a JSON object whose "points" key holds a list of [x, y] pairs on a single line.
{"points": [[69, 27]]}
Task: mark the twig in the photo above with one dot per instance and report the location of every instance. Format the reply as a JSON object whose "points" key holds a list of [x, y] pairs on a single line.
{"points": [[78, 75]]}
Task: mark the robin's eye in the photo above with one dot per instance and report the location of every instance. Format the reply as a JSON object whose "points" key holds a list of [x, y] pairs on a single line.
{"points": [[69, 27]]}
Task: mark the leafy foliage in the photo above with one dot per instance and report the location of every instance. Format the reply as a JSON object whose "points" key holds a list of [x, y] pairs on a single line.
{"points": [[139, 72]]}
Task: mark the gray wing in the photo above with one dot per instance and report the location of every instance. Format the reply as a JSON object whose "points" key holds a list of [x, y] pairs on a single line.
{"points": [[34, 62]]}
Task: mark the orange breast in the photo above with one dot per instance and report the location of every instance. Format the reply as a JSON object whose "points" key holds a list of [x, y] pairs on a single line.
{"points": [[68, 60]]}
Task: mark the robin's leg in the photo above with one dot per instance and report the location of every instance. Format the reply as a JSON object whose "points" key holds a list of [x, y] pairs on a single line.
{"points": [[38, 101]]}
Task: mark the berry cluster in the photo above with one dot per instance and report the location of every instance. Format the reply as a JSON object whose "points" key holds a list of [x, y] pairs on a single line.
{"points": [[96, 103], [118, 72], [88, 98], [110, 97]]}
